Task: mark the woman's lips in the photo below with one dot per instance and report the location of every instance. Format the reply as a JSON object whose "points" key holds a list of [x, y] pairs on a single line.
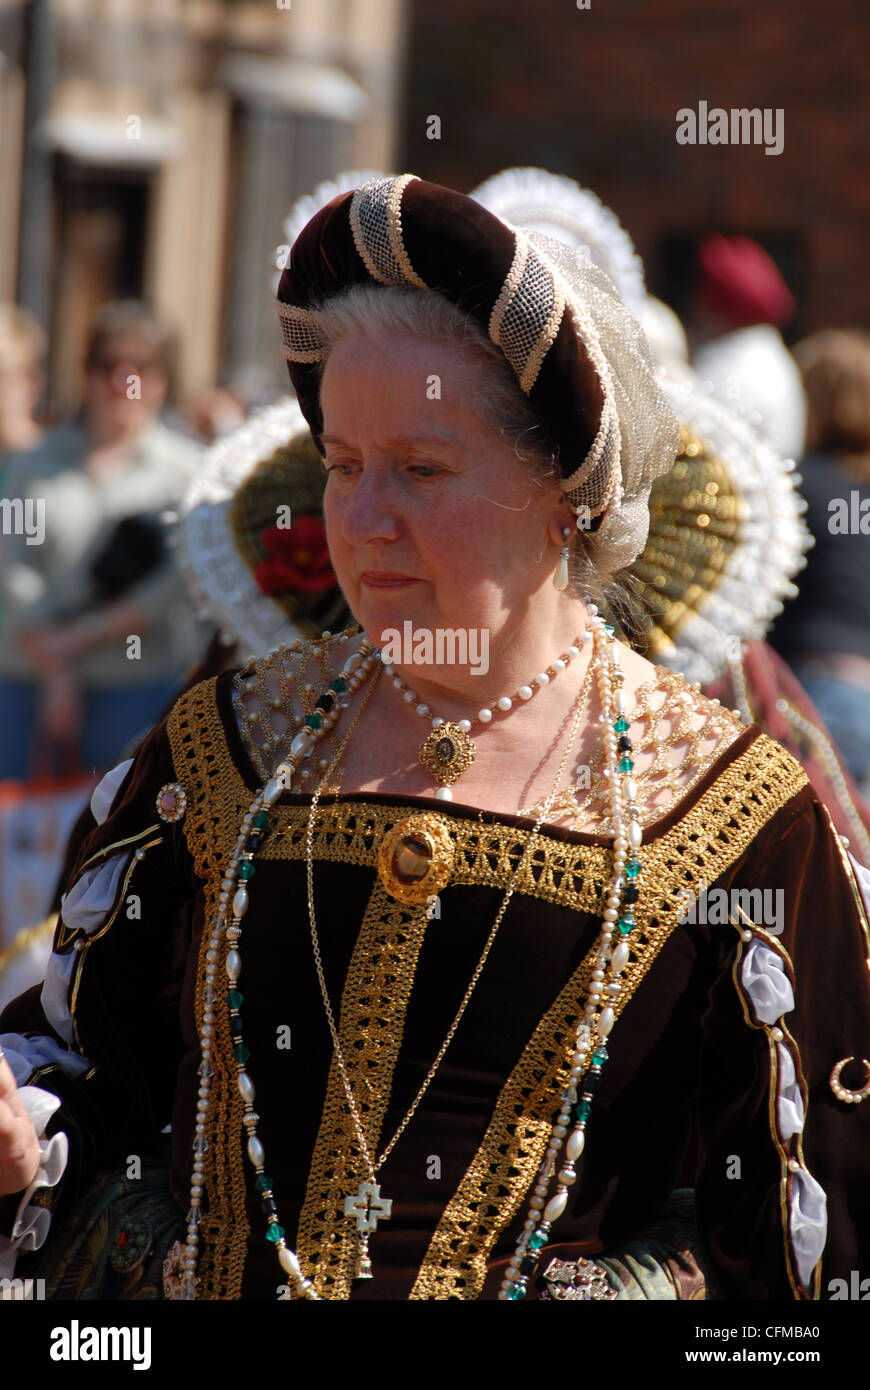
{"points": [[375, 580]]}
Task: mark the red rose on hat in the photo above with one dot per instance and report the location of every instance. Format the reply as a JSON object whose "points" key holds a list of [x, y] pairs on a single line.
{"points": [[298, 558]]}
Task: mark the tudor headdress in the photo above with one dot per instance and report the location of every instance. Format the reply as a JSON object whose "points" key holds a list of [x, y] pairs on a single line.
{"points": [[579, 357]]}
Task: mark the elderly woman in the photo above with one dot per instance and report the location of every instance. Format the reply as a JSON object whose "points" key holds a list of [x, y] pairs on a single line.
{"points": [[332, 925]]}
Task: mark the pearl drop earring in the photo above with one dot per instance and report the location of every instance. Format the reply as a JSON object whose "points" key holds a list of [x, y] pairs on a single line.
{"points": [[561, 576]]}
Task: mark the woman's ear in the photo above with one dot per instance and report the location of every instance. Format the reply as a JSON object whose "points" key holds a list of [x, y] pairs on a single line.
{"points": [[560, 522]]}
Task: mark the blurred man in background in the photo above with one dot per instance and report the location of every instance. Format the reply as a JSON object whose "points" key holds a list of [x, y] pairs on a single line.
{"points": [[97, 631]]}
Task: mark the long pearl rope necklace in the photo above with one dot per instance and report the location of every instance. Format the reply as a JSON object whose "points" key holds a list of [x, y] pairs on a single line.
{"points": [[599, 1014], [597, 1020], [448, 751]]}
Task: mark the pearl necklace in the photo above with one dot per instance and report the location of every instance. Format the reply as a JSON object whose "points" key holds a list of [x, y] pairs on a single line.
{"points": [[596, 1020], [599, 1013], [448, 751]]}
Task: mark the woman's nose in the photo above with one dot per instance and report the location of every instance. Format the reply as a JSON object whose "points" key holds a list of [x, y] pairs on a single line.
{"points": [[370, 510]]}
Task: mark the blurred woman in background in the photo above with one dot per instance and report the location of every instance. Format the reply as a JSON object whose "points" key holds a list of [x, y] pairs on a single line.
{"points": [[97, 630], [825, 633]]}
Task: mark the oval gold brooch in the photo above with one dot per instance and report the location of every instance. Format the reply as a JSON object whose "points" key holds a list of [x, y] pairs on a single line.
{"points": [[171, 802], [415, 858]]}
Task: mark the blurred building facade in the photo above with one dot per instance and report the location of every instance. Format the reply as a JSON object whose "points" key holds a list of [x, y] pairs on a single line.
{"points": [[153, 150], [591, 89]]}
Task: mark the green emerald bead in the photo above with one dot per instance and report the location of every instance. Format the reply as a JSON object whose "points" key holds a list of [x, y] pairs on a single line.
{"points": [[625, 765], [601, 1056], [609, 629], [625, 925], [262, 1183], [339, 685], [247, 870], [517, 1291], [235, 998], [313, 720], [537, 1241], [261, 820], [583, 1111], [274, 1233], [632, 868], [241, 1053], [621, 725]]}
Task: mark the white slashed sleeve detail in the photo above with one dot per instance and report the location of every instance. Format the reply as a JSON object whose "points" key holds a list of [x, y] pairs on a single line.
{"points": [[31, 1223], [766, 985], [107, 789], [84, 908]]}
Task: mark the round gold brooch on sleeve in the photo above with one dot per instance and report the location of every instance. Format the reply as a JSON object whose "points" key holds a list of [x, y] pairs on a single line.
{"points": [[171, 802], [447, 752], [415, 859]]}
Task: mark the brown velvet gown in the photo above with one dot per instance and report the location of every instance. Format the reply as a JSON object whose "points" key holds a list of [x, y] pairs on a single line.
{"points": [[694, 1071]]}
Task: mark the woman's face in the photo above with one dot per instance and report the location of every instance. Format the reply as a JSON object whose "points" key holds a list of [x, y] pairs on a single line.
{"points": [[431, 516]]}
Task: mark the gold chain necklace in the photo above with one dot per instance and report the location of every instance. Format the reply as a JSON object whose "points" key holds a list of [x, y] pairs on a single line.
{"points": [[366, 1204]]}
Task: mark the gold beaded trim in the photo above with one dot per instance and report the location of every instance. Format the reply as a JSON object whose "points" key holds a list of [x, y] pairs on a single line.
{"points": [[705, 842]]}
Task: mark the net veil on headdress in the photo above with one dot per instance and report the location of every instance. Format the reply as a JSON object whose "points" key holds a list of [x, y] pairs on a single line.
{"points": [[577, 354], [726, 535]]}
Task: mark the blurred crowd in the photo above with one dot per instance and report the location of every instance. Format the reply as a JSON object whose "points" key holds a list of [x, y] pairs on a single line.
{"points": [[97, 632]]}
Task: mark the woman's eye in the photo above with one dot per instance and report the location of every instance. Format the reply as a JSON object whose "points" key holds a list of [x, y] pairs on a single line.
{"points": [[423, 470], [342, 467]]}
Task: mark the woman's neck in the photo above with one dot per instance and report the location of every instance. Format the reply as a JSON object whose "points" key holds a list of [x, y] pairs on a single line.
{"points": [[456, 671]]}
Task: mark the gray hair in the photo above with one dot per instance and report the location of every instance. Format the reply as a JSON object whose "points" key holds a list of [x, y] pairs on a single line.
{"points": [[499, 401], [385, 311]]}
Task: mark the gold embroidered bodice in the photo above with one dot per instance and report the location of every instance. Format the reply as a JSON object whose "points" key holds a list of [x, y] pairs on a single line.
{"points": [[471, 851], [677, 733]]}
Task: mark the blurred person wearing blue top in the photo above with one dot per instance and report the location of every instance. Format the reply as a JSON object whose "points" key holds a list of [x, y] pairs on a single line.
{"points": [[97, 631]]}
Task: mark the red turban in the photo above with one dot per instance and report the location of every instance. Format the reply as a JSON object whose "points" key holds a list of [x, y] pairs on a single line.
{"points": [[740, 282]]}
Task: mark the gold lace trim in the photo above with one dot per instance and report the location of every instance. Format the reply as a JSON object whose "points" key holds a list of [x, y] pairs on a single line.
{"points": [[374, 1002], [692, 721], [706, 841], [217, 800]]}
